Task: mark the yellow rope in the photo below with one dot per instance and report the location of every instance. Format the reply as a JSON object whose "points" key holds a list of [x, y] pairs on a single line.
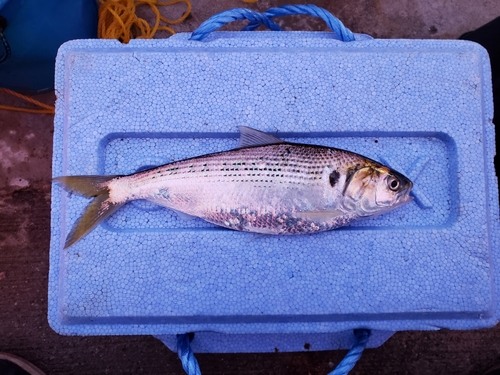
{"points": [[118, 19], [45, 108]]}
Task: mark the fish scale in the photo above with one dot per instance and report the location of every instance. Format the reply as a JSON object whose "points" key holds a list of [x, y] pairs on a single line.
{"points": [[304, 163]]}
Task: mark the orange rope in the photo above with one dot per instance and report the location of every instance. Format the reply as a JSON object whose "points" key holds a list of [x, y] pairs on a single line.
{"points": [[118, 19], [45, 108]]}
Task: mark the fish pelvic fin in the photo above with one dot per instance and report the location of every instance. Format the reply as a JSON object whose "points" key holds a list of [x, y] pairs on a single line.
{"points": [[99, 209]]}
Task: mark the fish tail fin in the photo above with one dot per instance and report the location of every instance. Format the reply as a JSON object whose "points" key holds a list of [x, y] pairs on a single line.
{"points": [[99, 209], [88, 186]]}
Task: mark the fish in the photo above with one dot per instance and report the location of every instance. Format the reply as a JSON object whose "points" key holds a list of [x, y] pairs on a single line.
{"points": [[266, 185]]}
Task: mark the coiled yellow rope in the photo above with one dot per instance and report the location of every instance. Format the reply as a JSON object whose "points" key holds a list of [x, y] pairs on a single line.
{"points": [[118, 19]]}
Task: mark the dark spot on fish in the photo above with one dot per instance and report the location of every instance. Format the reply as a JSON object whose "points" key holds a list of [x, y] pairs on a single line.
{"points": [[334, 178], [276, 350], [376, 141], [307, 346]]}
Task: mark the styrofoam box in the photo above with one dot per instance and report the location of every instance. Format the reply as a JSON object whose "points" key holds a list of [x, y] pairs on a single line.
{"points": [[422, 107]]}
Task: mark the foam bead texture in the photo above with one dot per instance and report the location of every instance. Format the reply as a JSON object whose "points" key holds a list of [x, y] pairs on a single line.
{"points": [[422, 107]]}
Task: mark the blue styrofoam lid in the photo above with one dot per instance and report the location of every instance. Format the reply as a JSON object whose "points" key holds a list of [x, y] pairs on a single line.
{"points": [[422, 107]]}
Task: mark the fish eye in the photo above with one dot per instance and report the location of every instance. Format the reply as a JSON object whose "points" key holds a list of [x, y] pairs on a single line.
{"points": [[393, 183]]}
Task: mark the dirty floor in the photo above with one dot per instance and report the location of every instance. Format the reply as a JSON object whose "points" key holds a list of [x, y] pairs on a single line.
{"points": [[25, 174]]}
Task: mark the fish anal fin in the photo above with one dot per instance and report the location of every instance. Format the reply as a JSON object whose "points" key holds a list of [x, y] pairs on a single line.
{"points": [[184, 216], [251, 137]]}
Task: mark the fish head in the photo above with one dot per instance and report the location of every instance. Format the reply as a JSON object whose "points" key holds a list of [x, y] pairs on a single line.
{"points": [[375, 189]]}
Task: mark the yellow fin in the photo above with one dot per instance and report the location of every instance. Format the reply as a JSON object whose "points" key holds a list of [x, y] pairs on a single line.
{"points": [[88, 186], [98, 210]]}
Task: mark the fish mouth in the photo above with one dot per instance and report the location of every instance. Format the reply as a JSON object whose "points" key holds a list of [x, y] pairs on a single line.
{"points": [[406, 199], [401, 201], [405, 196]]}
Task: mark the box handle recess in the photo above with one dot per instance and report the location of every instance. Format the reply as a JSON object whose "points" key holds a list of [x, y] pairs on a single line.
{"points": [[256, 19]]}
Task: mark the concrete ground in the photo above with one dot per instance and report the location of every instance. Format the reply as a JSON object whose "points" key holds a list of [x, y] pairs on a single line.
{"points": [[25, 185]]}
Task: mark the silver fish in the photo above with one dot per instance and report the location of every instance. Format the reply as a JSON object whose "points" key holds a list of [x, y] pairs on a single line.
{"points": [[266, 185]]}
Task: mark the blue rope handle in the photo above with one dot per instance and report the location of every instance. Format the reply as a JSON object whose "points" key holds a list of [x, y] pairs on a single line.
{"points": [[220, 19], [354, 354], [191, 367], [333, 22], [186, 355], [256, 19]]}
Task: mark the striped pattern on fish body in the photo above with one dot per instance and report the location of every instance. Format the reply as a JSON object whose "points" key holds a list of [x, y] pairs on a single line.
{"points": [[239, 187], [267, 186]]}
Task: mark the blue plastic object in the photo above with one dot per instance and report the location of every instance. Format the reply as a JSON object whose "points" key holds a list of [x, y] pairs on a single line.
{"points": [[34, 32], [424, 107]]}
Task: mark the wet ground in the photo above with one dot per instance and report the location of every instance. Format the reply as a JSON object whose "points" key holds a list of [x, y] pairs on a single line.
{"points": [[25, 174]]}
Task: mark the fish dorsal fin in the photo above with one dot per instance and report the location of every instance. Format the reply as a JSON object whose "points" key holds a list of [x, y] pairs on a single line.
{"points": [[251, 137]]}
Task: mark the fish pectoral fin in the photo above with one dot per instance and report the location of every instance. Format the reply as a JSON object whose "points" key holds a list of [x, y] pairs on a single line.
{"points": [[183, 215], [252, 137], [319, 215]]}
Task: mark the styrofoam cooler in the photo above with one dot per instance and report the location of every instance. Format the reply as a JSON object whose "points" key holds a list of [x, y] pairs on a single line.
{"points": [[423, 107]]}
